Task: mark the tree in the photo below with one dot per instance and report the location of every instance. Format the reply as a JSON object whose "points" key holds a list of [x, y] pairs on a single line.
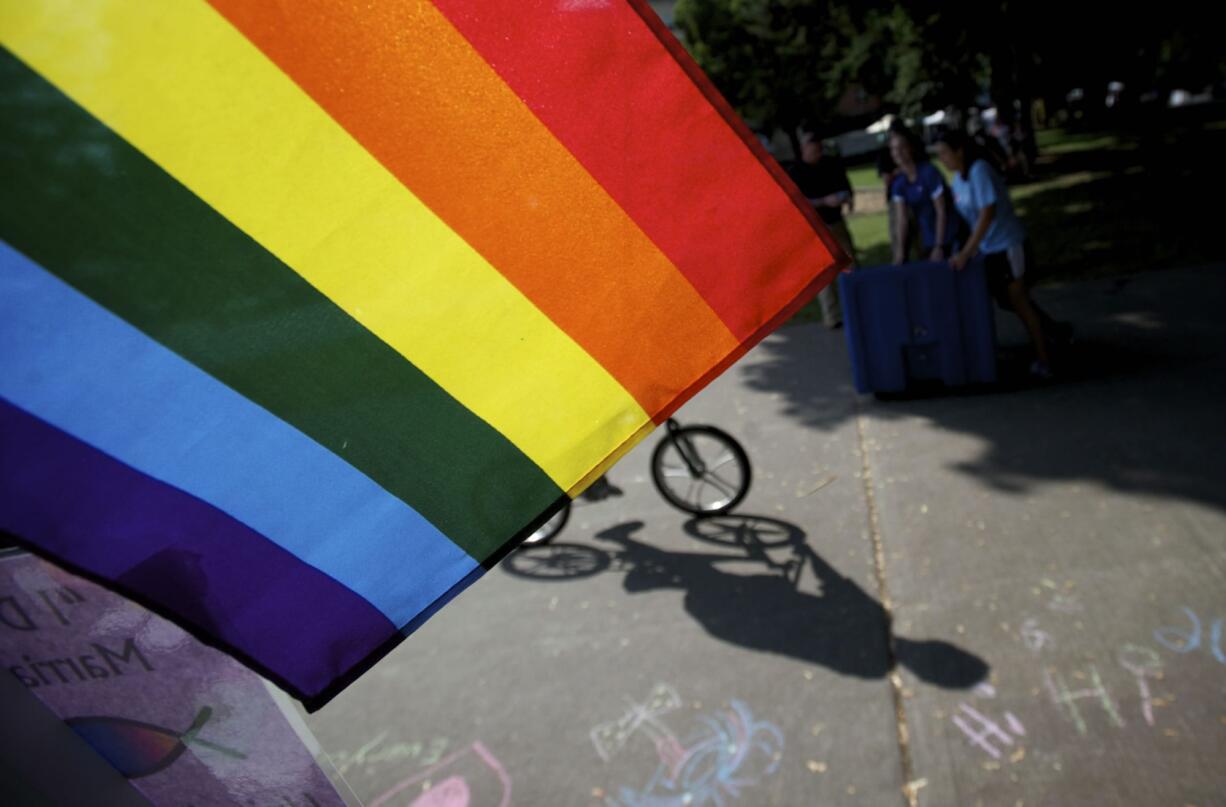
{"points": [[780, 63], [930, 57], [785, 62]]}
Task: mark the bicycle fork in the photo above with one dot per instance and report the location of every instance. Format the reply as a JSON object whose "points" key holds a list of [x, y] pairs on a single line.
{"points": [[689, 456]]}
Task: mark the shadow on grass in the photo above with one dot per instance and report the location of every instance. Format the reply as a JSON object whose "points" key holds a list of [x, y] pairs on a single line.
{"points": [[1143, 202]]}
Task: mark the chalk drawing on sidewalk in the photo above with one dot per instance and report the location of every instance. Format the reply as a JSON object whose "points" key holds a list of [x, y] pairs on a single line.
{"points": [[377, 751], [471, 777], [1035, 638], [1067, 699], [1144, 664], [727, 753], [611, 737], [984, 732], [1186, 641]]}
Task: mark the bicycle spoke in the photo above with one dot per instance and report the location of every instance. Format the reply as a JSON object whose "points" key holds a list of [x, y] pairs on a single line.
{"points": [[770, 529], [723, 485], [719, 502], [699, 456]]}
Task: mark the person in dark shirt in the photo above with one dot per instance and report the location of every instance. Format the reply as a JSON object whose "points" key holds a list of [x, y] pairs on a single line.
{"points": [[824, 183]]}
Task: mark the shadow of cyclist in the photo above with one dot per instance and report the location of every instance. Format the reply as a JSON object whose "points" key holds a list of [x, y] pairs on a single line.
{"points": [[837, 625]]}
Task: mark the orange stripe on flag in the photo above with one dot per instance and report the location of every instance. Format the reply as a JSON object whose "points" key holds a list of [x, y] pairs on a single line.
{"points": [[428, 107], [660, 146]]}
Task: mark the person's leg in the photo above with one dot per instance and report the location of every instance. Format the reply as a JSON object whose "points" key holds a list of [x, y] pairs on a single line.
{"points": [[1061, 333], [998, 276], [1025, 309], [1054, 328], [832, 314], [1019, 297], [1022, 269], [842, 235]]}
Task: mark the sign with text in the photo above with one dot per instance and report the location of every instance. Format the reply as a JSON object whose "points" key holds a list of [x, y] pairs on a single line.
{"points": [[185, 723]]}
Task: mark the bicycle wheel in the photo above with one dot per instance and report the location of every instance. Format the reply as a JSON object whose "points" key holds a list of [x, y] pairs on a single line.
{"points": [[701, 470], [556, 562], [550, 528]]}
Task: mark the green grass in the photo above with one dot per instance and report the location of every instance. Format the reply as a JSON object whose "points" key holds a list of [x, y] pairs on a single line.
{"points": [[870, 233], [1119, 203], [864, 177], [1082, 143], [1061, 139]]}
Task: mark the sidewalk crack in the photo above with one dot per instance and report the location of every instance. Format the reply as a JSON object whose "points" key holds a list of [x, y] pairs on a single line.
{"points": [[910, 793]]}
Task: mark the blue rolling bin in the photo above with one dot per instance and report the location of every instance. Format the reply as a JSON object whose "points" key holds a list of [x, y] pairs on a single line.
{"points": [[919, 321]]}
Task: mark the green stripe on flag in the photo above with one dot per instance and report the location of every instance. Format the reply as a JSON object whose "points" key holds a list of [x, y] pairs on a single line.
{"points": [[96, 212]]}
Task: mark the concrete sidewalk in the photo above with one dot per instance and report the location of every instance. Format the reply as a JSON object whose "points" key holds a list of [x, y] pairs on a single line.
{"points": [[1009, 597]]}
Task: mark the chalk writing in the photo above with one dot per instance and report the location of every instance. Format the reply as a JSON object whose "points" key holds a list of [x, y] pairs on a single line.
{"points": [[375, 752], [1185, 641], [985, 729], [1088, 688], [473, 777], [1141, 662], [1034, 637], [982, 731], [1144, 664], [729, 752], [1066, 699]]}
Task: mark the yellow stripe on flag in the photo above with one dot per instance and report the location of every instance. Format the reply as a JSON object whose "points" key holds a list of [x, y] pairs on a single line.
{"points": [[178, 82]]}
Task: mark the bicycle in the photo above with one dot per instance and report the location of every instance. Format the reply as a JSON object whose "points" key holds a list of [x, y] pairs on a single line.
{"points": [[700, 470]]}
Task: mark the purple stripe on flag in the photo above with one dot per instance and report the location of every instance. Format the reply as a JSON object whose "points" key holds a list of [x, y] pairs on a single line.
{"points": [[182, 557]]}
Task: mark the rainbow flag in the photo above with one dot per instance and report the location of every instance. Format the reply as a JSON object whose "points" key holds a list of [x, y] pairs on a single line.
{"points": [[309, 312]]}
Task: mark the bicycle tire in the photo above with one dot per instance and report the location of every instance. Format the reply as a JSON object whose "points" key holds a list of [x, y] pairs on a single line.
{"points": [[672, 441], [547, 531]]}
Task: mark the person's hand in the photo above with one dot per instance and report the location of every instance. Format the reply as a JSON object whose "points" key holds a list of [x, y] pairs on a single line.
{"points": [[959, 261], [938, 254]]}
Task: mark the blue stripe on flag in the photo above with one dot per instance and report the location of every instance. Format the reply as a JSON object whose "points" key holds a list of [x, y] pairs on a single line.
{"points": [[84, 370]]}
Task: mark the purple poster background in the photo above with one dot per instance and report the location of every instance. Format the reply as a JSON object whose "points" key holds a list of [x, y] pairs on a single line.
{"points": [[187, 724]]}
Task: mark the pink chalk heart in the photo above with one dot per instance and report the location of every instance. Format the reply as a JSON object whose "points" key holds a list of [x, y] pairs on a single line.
{"points": [[451, 792]]}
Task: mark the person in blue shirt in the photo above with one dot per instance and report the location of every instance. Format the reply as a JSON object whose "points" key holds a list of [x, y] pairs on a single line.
{"points": [[918, 193], [982, 199]]}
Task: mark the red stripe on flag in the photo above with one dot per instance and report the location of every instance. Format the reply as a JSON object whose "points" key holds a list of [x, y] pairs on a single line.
{"points": [[621, 94]]}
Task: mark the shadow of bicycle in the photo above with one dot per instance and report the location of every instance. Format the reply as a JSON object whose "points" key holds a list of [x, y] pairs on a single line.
{"points": [[556, 562], [793, 604]]}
